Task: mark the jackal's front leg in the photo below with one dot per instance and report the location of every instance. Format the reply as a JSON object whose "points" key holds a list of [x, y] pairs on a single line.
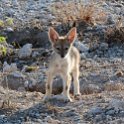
{"points": [[66, 87], [48, 87], [75, 74]]}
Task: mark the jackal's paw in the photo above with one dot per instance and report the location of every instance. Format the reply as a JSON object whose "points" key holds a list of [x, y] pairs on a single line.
{"points": [[66, 98], [77, 96]]}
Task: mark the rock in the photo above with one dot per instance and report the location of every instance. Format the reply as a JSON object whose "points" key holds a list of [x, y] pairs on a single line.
{"points": [[51, 120], [119, 73], [110, 112], [1, 9], [21, 89], [15, 3], [25, 51], [70, 113], [117, 104], [14, 80], [9, 68], [81, 47], [9, 29], [35, 54], [99, 118], [48, 119], [30, 84], [10, 12], [103, 46], [95, 110], [35, 36], [110, 19], [89, 88], [18, 74], [121, 113], [83, 56], [57, 86]]}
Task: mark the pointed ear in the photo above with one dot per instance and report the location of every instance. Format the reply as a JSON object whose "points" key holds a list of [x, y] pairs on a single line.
{"points": [[53, 35], [71, 36]]}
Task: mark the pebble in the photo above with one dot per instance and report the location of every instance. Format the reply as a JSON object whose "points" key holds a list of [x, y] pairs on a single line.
{"points": [[25, 51], [95, 110]]}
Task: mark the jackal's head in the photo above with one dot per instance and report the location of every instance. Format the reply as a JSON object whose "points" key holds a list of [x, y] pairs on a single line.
{"points": [[62, 44]]}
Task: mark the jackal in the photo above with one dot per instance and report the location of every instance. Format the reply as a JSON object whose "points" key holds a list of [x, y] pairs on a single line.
{"points": [[64, 62]]}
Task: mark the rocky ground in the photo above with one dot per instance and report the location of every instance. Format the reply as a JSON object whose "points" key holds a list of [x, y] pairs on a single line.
{"points": [[25, 56], [28, 108]]}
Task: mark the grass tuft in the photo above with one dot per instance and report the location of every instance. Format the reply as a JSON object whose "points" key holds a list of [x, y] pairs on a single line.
{"points": [[75, 11]]}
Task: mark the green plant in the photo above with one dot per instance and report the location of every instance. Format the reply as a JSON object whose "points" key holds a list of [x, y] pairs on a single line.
{"points": [[1, 23], [9, 21], [31, 68], [3, 50], [2, 39]]}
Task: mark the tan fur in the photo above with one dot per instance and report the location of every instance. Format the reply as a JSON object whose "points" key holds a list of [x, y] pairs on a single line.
{"points": [[64, 67]]}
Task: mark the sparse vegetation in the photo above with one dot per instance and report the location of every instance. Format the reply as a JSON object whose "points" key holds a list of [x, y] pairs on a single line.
{"points": [[3, 48], [115, 86], [2, 39], [1, 23], [7, 22], [22, 80], [31, 68], [76, 11], [115, 35]]}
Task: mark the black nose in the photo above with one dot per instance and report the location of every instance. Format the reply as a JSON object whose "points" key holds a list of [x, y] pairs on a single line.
{"points": [[62, 56]]}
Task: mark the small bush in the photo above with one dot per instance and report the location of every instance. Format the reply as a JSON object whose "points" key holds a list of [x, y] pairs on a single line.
{"points": [[2, 39], [9, 21], [115, 34], [76, 11], [1, 23], [113, 86], [3, 50]]}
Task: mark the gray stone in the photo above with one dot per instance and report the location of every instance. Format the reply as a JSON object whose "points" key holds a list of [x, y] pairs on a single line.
{"points": [[110, 112], [110, 20], [117, 104], [81, 47], [25, 51], [9, 68], [121, 113], [14, 80], [17, 74], [95, 110], [9, 29], [103, 46]]}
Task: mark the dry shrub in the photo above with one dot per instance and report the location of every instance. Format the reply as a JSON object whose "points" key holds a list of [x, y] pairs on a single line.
{"points": [[114, 86], [115, 34], [5, 98], [76, 11]]}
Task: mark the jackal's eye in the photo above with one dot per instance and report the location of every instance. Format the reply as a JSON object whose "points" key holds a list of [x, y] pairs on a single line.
{"points": [[57, 48], [66, 48]]}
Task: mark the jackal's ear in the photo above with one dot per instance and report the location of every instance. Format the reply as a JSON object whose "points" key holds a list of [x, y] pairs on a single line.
{"points": [[72, 35], [53, 35]]}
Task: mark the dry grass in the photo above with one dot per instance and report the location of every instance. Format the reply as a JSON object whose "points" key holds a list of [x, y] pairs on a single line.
{"points": [[114, 86], [115, 33], [76, 11], [5, 98]]}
